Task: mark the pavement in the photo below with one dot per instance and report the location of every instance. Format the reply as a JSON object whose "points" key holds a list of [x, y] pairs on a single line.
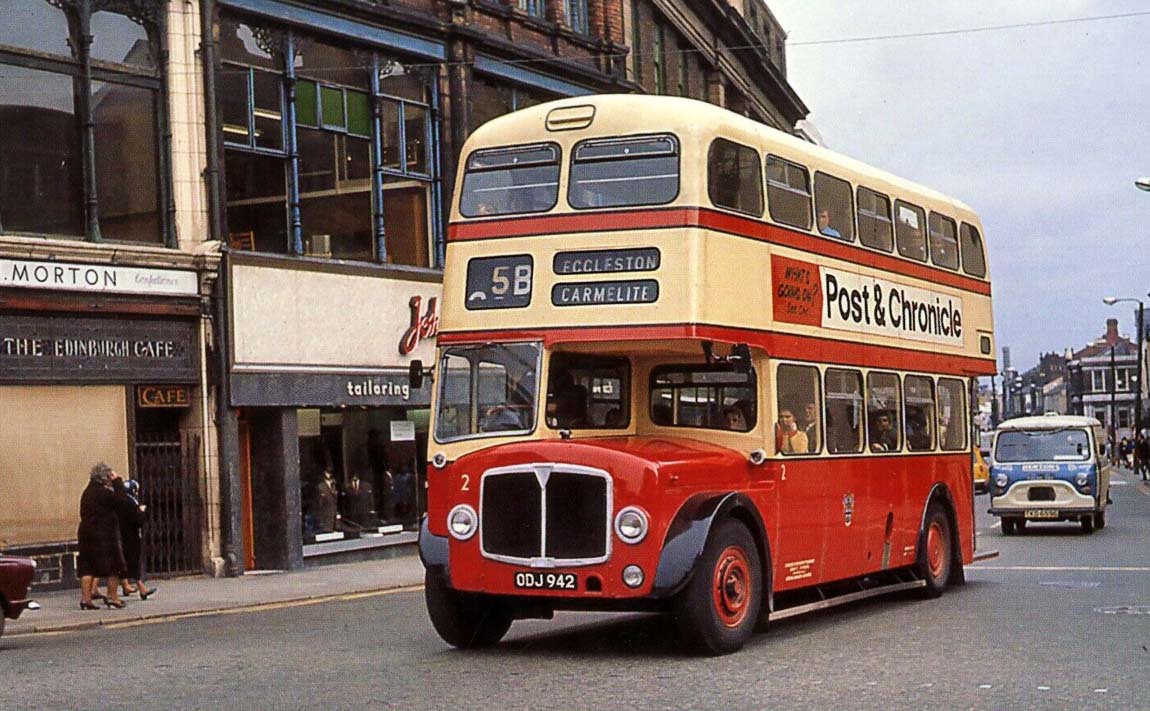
{"points": [[195, 596]]}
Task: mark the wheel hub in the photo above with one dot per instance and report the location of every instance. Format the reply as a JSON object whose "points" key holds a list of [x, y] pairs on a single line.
{"points": [[732, 586]]}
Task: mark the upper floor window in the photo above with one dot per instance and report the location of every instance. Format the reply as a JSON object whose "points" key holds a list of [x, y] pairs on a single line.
{"points": [[613, 172], [712, 397], [734, 177], [577, 15], [834, 209], [874, 220], [788, 193], [508, 181], [973, 260], [531, 7], [908, 229]]}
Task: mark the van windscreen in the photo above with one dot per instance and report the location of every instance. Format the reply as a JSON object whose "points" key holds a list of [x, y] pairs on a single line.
{"points": [[1065, 445]]}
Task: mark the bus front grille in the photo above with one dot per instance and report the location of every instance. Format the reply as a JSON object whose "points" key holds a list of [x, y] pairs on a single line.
{"points": [[546, 515]]}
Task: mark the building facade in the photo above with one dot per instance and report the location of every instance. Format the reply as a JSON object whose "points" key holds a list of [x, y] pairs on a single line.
{"points": [[1103, 381], [106, 284]]}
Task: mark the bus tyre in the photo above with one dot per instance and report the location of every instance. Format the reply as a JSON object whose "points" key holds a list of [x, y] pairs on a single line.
{"points": [[1088, 523], [465, 620], [717, 611], [935, 543]]}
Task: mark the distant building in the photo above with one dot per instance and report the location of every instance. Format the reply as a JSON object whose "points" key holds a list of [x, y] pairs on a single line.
{"points": [[1102, 381]]}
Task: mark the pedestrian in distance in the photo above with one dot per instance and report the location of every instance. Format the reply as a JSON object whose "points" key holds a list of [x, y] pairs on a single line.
{"points": [[1142, 457], [101, 548], [130, 513]]}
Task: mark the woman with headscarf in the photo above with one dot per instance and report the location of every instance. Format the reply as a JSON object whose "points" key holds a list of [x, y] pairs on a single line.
{"points": [[130, 513], [101, 550]]}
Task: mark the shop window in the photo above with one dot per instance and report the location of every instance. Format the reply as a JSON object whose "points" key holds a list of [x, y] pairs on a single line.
{"points": [[797, 430], [874, 220], [952, 410], [920, 413], [883, 412], [517, 180], [943, 241], [834, 208], [973, 260], [908, 231], [588, 392], [43, 124], [788, 193], [844, 411], [631, 171], [735, 177], [711, 397]]}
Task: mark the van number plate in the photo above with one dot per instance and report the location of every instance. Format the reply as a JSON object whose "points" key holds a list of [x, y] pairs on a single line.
{"points": [[1042, 513], [546, 581]]}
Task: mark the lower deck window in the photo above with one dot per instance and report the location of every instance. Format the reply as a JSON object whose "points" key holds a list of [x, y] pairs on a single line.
{"points": [[711, 397]]}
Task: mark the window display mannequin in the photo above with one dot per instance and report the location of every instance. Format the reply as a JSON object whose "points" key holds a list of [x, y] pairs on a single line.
{"points": [[361, 503], [326, 502]]}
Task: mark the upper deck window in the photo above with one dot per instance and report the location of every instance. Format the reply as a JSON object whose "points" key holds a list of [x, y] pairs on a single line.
{"points": [[943, 241], [616, 172], [511, 181], [712, 397], [874, 220], [788, 193], [973, 261], [735, 177], [834, 208], [908, 231]]}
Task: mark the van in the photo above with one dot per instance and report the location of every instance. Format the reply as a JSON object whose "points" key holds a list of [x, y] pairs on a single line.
{"points": [[1049, 468]]}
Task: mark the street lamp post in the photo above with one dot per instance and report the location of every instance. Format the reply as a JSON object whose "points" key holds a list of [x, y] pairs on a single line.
{"points": [[1113, 410], [1110, 301]]}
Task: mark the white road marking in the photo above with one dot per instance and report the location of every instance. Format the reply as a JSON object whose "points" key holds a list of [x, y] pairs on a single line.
{"points": [[1118, 482], [1044, 688], [986, 686], [996, 524]]}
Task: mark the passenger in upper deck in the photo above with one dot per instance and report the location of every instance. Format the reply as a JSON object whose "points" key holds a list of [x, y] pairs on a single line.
{"points": [[825, 224]]}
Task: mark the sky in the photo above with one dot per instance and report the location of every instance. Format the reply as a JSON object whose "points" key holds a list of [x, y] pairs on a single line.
{"points": [[1042, 130]]}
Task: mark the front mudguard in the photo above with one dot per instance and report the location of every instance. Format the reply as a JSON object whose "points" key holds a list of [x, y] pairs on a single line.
{"points": [[434, 552], [687, 536]]}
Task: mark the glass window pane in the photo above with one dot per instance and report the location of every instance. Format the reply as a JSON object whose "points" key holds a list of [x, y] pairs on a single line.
{"points": [[329, 64], [844, 411], [734, 177], [883, 410], [232, 84], [257, 202], [41, 189], [788, 193], [246, 44], [267, 101], [338, 226], [395, 79], [331, 107], [874, 220], [588, 392], [631, 171], [920, 422], [408, 236], [506, 181], [389, 137], [126, 155], [504, 379], [943, 241], [488, 101], [116, 38], [307, 104], [834, 208], [798, 430], [973, 260], [711, 397], [358, 113], [415, 119], [35, 25], [909, 231], [952, 414]]}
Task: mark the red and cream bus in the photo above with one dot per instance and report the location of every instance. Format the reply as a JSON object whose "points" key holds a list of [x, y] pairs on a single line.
{"points": [[688, 363]]}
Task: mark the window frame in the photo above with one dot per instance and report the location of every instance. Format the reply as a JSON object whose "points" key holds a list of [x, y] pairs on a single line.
{"points": [[758, 178], [677, 152], [923, 228], [897, 412], [889, 218], [850, 206], [979, 249], [964, 409], [818, 400], [466, 165], [808, 194], [750, 384], [946, 220], [861, 437], [931, 420]]}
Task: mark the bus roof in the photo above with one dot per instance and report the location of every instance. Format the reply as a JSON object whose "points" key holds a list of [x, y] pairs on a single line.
{"points": [[615, 114]]}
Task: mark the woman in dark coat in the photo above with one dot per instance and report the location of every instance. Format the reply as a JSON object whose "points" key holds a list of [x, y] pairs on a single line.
{"points": [[130, 513], [101, 551]]}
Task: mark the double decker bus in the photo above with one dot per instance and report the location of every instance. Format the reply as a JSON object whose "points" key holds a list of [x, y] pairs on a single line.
{"points": [[688, 363]]}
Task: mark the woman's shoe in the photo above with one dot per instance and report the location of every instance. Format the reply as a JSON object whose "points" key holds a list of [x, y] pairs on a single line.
{"points": [[98, 596], [145, 595], [118, 604], [88, 606]]}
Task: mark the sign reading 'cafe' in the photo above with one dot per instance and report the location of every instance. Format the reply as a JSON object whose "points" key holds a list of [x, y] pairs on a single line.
{"points": [[100, 278]]}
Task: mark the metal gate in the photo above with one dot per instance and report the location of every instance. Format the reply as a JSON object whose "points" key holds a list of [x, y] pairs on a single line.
{"points": [[168, 471]]}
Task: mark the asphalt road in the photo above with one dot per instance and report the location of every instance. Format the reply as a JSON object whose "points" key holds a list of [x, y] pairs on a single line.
{"points": [[1054, 622]]}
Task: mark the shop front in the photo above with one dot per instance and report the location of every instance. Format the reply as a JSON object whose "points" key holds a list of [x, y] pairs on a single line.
{"points": [[330, 432], [99, 363]]}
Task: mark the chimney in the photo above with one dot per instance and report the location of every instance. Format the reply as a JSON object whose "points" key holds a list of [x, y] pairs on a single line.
{"points": [[1111, 331]]}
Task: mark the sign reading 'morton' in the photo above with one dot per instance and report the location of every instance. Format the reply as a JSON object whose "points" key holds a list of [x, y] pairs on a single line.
{"points": [[101, 278], [814, 295]]}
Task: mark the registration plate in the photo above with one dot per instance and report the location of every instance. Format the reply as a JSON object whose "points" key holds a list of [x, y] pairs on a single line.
{"points": [[537, 580], [1041, 513]]}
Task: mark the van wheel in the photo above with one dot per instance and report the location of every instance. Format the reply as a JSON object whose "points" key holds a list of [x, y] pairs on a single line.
{"points": [[1100, 520], [465, 620], [935, 543], [1008, 527], [717, 611], [1088, 524]]}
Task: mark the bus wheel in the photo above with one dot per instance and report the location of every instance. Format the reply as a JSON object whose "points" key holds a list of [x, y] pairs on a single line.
{"points": [[1088, 523], [934, 552], [718, 609], [465, 620]]}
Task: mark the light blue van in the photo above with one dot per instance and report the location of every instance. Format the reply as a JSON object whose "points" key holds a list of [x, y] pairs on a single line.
{"points": [[1049, 468]]}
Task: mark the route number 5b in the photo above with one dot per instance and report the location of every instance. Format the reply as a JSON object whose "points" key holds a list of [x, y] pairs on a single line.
{"points": [[514, 280]]}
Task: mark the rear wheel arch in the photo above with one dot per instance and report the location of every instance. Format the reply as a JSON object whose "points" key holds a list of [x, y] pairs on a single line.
{"points": [[940, 496]]}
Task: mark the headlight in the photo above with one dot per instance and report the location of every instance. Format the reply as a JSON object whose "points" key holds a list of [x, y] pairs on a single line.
{"points": [[1001, 480], [1081, 478], [632, 576], [631, 525], [462, 522]]}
